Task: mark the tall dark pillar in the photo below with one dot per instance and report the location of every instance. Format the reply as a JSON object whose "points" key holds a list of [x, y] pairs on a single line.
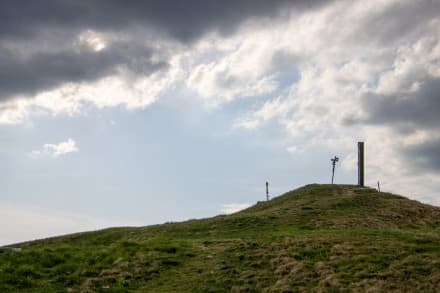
{"points": [[361, 164]]}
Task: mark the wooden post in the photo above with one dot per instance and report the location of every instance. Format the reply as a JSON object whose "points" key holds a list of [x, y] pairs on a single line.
{"points": [[267, 191], [361, 164]]}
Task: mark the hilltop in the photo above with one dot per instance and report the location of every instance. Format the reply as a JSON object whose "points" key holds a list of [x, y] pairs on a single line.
{"points": [[315, 238]]}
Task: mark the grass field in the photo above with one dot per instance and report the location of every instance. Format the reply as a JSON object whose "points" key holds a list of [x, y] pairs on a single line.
{"points": [[326, 238]]}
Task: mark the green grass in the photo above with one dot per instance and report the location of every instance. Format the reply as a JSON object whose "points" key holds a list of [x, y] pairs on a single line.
{"points": [[316, 238]]}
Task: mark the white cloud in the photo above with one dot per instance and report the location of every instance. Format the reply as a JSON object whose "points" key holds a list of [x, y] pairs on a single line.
{"points": [[340, 57], [56, 150], [92, 40], [275, 108], [248, 123], [123, 86], [309, 72], [13, 112], [295, 149], [26, 223], [111, 91], [349, 162], [240, 66], [234, 207]]}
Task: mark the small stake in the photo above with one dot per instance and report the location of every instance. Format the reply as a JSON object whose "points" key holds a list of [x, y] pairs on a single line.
{"points": [[378, 186]]}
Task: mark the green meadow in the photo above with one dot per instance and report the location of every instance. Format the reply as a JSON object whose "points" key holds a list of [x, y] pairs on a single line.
{"points": [[318, 238]]}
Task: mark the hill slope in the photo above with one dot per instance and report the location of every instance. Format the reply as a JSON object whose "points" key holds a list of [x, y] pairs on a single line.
{"points": [[318, 237]]}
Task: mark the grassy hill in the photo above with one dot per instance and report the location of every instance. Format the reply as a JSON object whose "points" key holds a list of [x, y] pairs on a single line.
{"points": [[316, 238]]}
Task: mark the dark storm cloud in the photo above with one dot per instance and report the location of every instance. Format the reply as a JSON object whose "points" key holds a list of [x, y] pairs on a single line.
{"points": [[418, 109], [406, 113], [425, 155], [184, 20], [399, 21], [55, 22], [29, 74]]}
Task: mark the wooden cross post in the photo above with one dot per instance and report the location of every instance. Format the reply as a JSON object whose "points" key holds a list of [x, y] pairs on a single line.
{"points": [[334, 160]]}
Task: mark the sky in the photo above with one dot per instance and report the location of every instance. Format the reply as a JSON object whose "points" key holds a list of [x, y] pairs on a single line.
{"points": [[131, 113]]}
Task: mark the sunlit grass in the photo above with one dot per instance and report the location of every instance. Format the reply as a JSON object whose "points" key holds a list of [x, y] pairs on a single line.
{"points": [[317, 237]]}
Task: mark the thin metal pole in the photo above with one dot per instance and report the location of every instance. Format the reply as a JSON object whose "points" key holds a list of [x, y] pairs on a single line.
{"points": [[333, 171]]}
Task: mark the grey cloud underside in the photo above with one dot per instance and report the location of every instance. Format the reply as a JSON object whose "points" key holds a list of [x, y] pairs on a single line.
{"points": [[399, 22], [28, 75], [424, 155], [418, 109], [184, 20], [406, 113], [58, 22]]}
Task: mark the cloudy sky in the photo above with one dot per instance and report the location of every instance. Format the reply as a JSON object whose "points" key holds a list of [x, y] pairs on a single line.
{"points": [[139, 112]]}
